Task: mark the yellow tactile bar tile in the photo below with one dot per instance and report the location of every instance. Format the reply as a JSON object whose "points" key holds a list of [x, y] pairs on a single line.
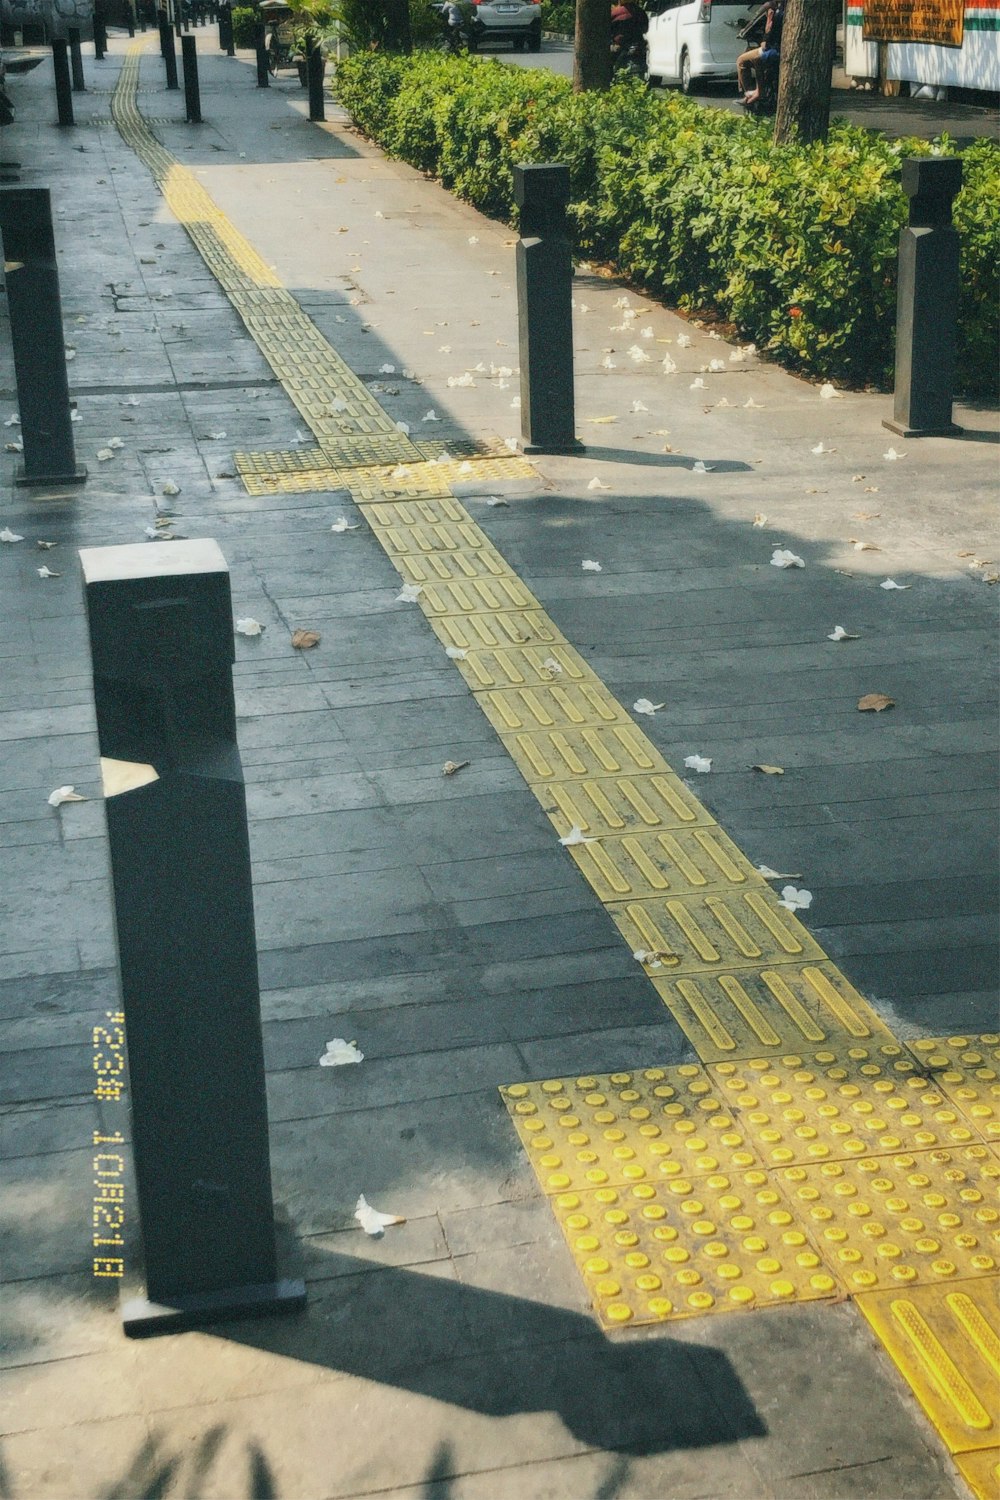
{"points": [[649, 864], [981, 1472], [945, 1341], [894, 1221], [713, 933], [748, 1012], [967, 1069], [839, 1103]]}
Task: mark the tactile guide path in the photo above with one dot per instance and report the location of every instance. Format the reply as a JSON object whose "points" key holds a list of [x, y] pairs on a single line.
{"points": [[808, 1154]]}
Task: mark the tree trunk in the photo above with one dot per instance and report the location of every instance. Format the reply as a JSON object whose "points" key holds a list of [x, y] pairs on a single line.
{"points": [[807, 48], [397, 26], [592, 52]]}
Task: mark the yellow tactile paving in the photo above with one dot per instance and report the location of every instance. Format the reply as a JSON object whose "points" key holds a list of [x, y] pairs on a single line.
{"points": [[710, 934], [835, 1104], [749, 1012], [713, 1243], [779, 1171], [649, 864], [945, 1340], [967, 1069], [892, 1221], [652, 1126], [981, 1472]]}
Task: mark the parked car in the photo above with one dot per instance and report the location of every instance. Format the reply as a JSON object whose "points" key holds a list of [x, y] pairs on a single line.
{"points": [[695, 40], [516, 21]]}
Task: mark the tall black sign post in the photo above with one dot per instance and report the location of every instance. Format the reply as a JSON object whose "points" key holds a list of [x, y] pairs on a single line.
{"points": [[927, 301], [161, 636], [36, 335], [544, 310]]}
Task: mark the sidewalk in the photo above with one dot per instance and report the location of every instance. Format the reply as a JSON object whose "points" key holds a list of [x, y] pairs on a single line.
{"points": [[437, 920]]}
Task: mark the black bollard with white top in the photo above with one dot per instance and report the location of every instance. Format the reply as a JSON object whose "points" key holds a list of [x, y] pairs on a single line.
{"points": [[36, 333], [544, 310], [927, 301], [162, 646]]}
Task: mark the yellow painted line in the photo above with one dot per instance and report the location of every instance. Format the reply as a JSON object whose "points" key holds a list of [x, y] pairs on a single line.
{"points": [[944, 1342], [700, 1189], [967, 1069]]}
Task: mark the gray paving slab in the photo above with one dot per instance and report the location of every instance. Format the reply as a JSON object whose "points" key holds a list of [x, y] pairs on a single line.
{"points": [[434, 919]]}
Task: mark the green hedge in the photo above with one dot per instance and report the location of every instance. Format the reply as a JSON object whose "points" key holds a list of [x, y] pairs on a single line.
{"points": [[794, 245]]}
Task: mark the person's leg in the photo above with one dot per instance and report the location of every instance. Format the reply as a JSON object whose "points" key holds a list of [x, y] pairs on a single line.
{"points": [[742, 63]]}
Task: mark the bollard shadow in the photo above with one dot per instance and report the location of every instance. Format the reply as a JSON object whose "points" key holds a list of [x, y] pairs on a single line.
{"points": [[500, 1355], [664, 460]]}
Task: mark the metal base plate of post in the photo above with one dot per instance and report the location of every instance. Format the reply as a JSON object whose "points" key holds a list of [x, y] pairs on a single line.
{"points": [[49, 481], [901, 430], [143, 1319]]}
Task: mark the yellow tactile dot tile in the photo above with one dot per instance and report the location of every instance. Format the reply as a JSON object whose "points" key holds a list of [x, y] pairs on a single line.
{"points": [[583, 754], [834, 1104], [694, 1245], [981, 1472], [712, 933], [452, 567], [647, 864], [526, 666], [893, 1221], [621, 1128], [742, 1013], [967, 1069], [553, 705], [431, 512], [622, 804], [945, 1341], [509, 627]]}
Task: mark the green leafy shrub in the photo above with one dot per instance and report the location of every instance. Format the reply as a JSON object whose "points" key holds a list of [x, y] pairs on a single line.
{"points": [[559, 15], [364, 25], [245, 18], [795, 245]]}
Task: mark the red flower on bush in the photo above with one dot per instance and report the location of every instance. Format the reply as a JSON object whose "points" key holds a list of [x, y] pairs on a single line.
{"points": [[795, 312]]}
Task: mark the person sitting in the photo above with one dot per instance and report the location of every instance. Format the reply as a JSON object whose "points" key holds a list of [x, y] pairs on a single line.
{"points": [[765, 55], [454, 21], [629, 24]]}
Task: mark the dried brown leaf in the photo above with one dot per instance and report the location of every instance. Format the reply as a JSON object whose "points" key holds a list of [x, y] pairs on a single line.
{"points": [[302, 640], [874, 703], [770, 770]]}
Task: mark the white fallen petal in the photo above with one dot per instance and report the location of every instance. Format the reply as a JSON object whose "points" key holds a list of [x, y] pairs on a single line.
{"points": [[444, 348], [782, 558], [644, 706], [373, 1222], [10, 536], [589, 566], [473, 239], [829, 392], [511, 444], [47, 573], [795, 900], [455, 653], [737, 357], [248, 626], [551, 665], [430, 416], [723, 404], [622, 302], [339, 1053], [387, 369], [770, 874], [409, 593], [401, 471], [684, 341], [638, 355], [115, 444], [170, 488], [103, 454], [822, 448], [598, 484], [338, 406], [464, 381], [608, 363], [716, 366], [700, 763], [75, 416], [669, 366], [698, 385], [64, 794], [890, 583], [700, 467], [575, 836], [646, 333], [300, 436], [751, 405], [760, 520], [890, 455], [14, 421], [215, 437], [343, 524], [496, 500], [838, 633], [404, 428], [515, 403], [639, 406], [131, 401]]}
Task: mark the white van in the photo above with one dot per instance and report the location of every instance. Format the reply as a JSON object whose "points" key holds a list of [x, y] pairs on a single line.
{"points": [[692, 40]]}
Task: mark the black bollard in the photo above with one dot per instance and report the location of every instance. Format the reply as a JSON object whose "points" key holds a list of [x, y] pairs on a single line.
{"points": [[161, 638], [315, 69], [261, 47], [100, 35], [927, 301], [169, 55], [36, 332], [226, 43], [192, 94], [544, 311], [76, 60], [162, 21], [64, 90], [130, 22], [177, 18]]}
